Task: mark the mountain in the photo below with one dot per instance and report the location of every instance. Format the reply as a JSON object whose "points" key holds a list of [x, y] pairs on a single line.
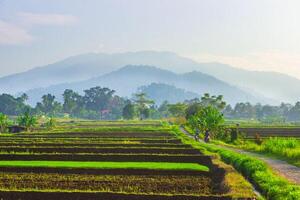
{"points": [[282, 87], [87, 66], [128, 79], [160, 92]]}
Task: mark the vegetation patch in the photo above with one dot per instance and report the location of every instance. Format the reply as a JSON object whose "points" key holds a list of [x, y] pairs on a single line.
{"points": [[283, 148]]}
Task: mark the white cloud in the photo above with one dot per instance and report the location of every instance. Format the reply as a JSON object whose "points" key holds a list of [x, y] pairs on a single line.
{"points": [[278, 61], [11, 34], [47, 19], [17, 32]]}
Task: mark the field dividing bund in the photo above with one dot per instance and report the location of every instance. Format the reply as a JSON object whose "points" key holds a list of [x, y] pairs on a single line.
{"points": [[100, 164]]}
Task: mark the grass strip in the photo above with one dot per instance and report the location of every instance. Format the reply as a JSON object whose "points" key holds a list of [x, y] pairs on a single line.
{"points": [[107, 165]]}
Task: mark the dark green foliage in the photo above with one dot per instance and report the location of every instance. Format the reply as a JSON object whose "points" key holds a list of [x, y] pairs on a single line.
{"points": [[49, 106], [264, 113], [129, 111], [192, 109], [72, 102], [10, 105], [215, 101], [4, 122], [177, 110], [143, 105], [97, 98], [207, 118]]}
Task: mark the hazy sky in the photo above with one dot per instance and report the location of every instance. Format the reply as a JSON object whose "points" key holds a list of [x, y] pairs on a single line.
{"points": [[251, 34]]}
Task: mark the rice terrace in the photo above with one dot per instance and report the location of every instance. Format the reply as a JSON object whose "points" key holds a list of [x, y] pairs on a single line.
{"points": [[111, 161]]}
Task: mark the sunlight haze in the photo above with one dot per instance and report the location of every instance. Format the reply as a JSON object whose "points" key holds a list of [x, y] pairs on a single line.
{"points": [[252, 34]]}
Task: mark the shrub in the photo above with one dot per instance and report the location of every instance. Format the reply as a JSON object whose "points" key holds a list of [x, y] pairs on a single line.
{"points": [[51, 123], [27, 121], [4, 122]]}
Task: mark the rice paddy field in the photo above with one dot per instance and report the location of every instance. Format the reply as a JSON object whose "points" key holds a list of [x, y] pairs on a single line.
{"points": [[111, 160]]}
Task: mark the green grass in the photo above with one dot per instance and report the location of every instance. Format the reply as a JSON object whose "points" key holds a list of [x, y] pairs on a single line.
{"points": [[287, 149], [106, 165]]}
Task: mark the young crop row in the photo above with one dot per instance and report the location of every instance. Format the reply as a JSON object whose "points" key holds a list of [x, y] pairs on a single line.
{"points": [[203, 160]]}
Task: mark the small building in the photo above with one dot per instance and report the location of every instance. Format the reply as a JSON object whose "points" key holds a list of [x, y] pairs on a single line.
{"points": [[16, 129]]}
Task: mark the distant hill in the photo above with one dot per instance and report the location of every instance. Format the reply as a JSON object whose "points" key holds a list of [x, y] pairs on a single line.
{"points": [[128, 79], [87, 66], [160, 92]]}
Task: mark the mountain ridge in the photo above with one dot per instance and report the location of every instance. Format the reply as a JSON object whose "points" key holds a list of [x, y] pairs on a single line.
{"points": [[86, 66], [130, 78]]}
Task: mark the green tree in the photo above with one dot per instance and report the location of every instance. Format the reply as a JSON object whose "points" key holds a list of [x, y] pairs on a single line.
{"points": [[49, 106], [294, 113], [27, 120], [215, 101], [207, 119], [129, 111], [97, 98], [4, 122], [177, 110], [143, 105], [10, 105], [164, 109], [192, 109], [72, 101]]}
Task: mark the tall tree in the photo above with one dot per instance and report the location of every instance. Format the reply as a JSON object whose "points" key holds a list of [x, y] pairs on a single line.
{"points": [[215, 101], [72, 101], [97, 98], [49, 106], [129, 111], [4, 122], [178, 109], [207, 119], [10, 105], [143, 105]]}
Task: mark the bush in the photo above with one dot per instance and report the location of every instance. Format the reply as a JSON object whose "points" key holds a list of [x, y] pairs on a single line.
{"points": [[27, 121], [51, 123]]}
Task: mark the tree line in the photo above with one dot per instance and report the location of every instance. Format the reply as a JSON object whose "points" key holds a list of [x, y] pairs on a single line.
{"points": [[103, 103], [266, 113]]}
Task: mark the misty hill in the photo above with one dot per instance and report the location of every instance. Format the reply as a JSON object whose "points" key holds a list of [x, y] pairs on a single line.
{"points": [[128, 79], [161, 92], [87, 66]]}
